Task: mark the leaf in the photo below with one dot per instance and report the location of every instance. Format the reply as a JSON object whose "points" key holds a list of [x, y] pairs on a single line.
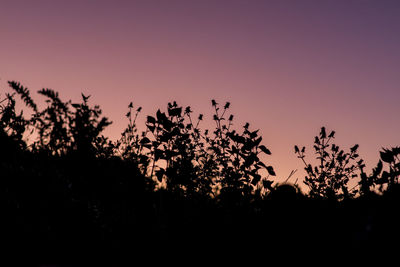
{"points": [[24, 94], [270, 170], [260, 163], [188, 110], [175, 112], [296, 149], [384, 178], [151, 120], [265, 150], [354, 148], [387, 156], [250, 160], [254, 134], [396, 150], [130, 105], [256, 179], [267, 184], [377, 170], [85, 98], [309, 169], [257, 141], [334, 148], [145, 140], [322, 134], [316, 141], [159, 116], [237, 138]]}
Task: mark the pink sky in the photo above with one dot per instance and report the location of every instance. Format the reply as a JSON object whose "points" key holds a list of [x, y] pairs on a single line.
{"points": [[287, 67]]}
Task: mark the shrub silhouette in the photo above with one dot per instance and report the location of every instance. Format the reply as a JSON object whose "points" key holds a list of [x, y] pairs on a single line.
{"points": [[336, 168], [185, 159], [385, 180], [61, 130], [13, 126], [176, 189]]}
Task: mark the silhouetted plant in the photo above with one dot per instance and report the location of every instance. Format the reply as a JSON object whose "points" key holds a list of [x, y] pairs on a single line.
{"points": [[64, 187], [24, 93], [383, 179], [13, 125], [391, 157], [204, 163], [183, 158], [131, 144], [51, 124], [59, 129], [336, 168], [368, 182], [175, 141], [85, 126], [237, 156]]}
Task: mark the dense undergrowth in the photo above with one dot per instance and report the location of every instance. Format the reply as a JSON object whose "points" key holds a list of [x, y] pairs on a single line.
{"points": [[68, 191]]}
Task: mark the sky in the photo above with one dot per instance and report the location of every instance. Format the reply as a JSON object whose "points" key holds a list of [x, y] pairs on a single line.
{"points": [[287, 67]]}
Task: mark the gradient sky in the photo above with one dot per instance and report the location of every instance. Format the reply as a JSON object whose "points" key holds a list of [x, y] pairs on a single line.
{"points": [[287, 67]]}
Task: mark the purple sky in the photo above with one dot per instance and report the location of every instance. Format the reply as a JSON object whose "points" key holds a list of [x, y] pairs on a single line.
{"points": [[287, 67]]}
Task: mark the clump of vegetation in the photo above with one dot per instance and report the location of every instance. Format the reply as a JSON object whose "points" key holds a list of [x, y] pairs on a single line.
{"points": [[67, 188], [329, 179], [380, 179], [173, 149]]}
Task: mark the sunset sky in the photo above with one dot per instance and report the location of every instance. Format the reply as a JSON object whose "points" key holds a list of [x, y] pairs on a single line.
{"points": [[287, 67]]}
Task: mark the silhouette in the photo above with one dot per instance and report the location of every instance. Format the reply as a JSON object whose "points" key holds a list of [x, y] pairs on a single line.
{"points": [[174, 191], [335, 169]]}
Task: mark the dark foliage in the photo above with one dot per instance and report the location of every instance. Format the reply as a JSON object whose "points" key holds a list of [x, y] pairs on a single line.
{"points": [[335, 168], [174, 190]]}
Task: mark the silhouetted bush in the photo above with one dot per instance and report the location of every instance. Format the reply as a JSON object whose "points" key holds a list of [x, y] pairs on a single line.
{"points": [[174, 189], [336, 168]]}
